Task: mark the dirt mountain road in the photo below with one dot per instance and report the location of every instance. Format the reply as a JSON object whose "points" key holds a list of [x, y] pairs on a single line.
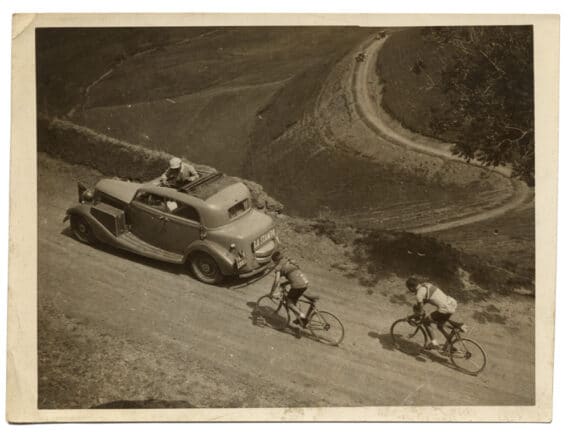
{"points": [[368, 96], [174, 338]]}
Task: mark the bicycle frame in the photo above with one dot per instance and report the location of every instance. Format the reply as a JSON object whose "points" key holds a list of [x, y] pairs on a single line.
{"points": [[284, 292], [464, 353], [324, 326], [453, 331]]}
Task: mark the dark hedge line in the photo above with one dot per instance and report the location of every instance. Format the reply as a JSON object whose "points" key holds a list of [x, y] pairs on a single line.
{"points": [[405, 254], [380, 254], [80, 145]]}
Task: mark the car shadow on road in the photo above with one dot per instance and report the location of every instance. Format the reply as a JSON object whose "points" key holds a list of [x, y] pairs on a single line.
{"points": [[232, 283], [163, 266], [422, 356]]}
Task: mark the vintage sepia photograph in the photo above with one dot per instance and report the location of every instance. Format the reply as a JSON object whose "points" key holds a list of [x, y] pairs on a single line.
{"points": [[286, 216]]}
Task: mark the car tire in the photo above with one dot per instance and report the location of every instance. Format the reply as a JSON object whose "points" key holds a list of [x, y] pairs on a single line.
{"points": [[81, 229], [205, 268]]}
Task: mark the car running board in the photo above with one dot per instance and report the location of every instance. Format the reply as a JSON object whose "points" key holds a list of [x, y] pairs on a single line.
{"points": [[133, 243]]}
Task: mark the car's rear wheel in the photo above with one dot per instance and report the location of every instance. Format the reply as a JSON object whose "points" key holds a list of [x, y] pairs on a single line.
{"points": [[205, 268], [81, 229]]}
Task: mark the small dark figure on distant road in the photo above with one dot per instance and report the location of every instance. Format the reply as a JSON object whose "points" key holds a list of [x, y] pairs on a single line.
{"points": [[295, 278], [361, 57], [178, 174], [427, 292]]}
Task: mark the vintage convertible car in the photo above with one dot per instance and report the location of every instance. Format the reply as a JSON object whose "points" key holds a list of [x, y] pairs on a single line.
{"points": [[208, 224]]}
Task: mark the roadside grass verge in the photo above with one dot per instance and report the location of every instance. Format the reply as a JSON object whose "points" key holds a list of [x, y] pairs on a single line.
{"points": [[372, 256]]}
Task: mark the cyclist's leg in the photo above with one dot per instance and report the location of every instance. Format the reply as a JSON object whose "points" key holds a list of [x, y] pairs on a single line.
{"points": [[292, 298], [440, 319], [427, 323]]}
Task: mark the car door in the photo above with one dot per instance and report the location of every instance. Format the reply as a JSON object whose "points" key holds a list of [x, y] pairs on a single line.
{"points": [[145, 217], [180, 226]]}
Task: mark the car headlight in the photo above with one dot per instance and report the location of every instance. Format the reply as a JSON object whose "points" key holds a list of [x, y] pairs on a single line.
{"points": [[87, 196]]}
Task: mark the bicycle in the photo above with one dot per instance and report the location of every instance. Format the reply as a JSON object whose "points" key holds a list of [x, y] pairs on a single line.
{"points": [[274, 311], [410, 336]]}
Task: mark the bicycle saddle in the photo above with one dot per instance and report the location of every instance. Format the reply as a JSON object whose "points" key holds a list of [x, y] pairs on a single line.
{"points": [[312, 298], [455, 324]]}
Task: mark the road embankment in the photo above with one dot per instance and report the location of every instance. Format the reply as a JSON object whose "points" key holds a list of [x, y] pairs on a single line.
{"points": [[77, 144]]}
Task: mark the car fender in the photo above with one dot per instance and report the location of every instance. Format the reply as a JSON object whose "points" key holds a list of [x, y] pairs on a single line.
{"points": [[99, 231], [223, 257]]}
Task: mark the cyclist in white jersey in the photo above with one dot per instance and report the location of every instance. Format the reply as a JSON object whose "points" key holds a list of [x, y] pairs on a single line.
{"points": [[427, 292]]}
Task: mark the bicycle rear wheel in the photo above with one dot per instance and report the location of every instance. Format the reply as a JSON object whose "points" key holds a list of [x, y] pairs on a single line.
{"points": [[407, 338], [272, 312], [468, 356], [326, 327]]}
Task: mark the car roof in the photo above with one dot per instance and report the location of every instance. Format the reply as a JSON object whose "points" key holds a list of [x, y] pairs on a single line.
{"points": [[217, 194]]}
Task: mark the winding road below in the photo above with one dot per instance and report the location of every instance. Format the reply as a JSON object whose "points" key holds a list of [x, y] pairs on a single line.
{"points": [[364, 96]]}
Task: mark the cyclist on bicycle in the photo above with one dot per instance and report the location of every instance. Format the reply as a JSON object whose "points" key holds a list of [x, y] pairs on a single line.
{"points": [[297, 281], [427, 292]]}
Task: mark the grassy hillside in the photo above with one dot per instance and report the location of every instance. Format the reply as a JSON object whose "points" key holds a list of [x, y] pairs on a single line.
{"points": [[411, 96], [69, 60], [196, 92], [472, 86]]}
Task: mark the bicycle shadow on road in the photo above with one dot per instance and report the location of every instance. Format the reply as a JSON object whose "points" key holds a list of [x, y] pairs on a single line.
{"points": [[419, 354], [259, 320]]}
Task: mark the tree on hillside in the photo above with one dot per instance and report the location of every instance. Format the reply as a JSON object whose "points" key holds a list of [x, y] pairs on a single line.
{"points": [[487, 74]]}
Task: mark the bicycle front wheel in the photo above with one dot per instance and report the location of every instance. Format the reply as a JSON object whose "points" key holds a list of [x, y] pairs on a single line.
{"points": [[468, 356], [326, 327], [272, 311], [407, 338]]}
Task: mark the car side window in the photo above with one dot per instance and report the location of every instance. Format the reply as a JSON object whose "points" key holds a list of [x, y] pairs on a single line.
{"points": [[152, 200], [184, 211]]}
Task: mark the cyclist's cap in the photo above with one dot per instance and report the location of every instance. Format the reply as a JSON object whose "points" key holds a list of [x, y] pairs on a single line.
{"points": [[412, 283]]}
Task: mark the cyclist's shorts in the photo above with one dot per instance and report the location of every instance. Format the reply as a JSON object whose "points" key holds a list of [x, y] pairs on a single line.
{"points": [[440, 318], [295, 293]]}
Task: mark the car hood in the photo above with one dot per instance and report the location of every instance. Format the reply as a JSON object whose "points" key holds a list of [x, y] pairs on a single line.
{"points": [[122, 190]]}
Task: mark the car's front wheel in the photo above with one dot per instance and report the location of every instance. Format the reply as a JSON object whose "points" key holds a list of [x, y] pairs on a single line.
{"points": [[81, 229], [205, 268]]}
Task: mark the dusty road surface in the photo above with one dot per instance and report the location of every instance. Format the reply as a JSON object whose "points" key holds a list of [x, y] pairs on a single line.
{"points": [[117, 328]]}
